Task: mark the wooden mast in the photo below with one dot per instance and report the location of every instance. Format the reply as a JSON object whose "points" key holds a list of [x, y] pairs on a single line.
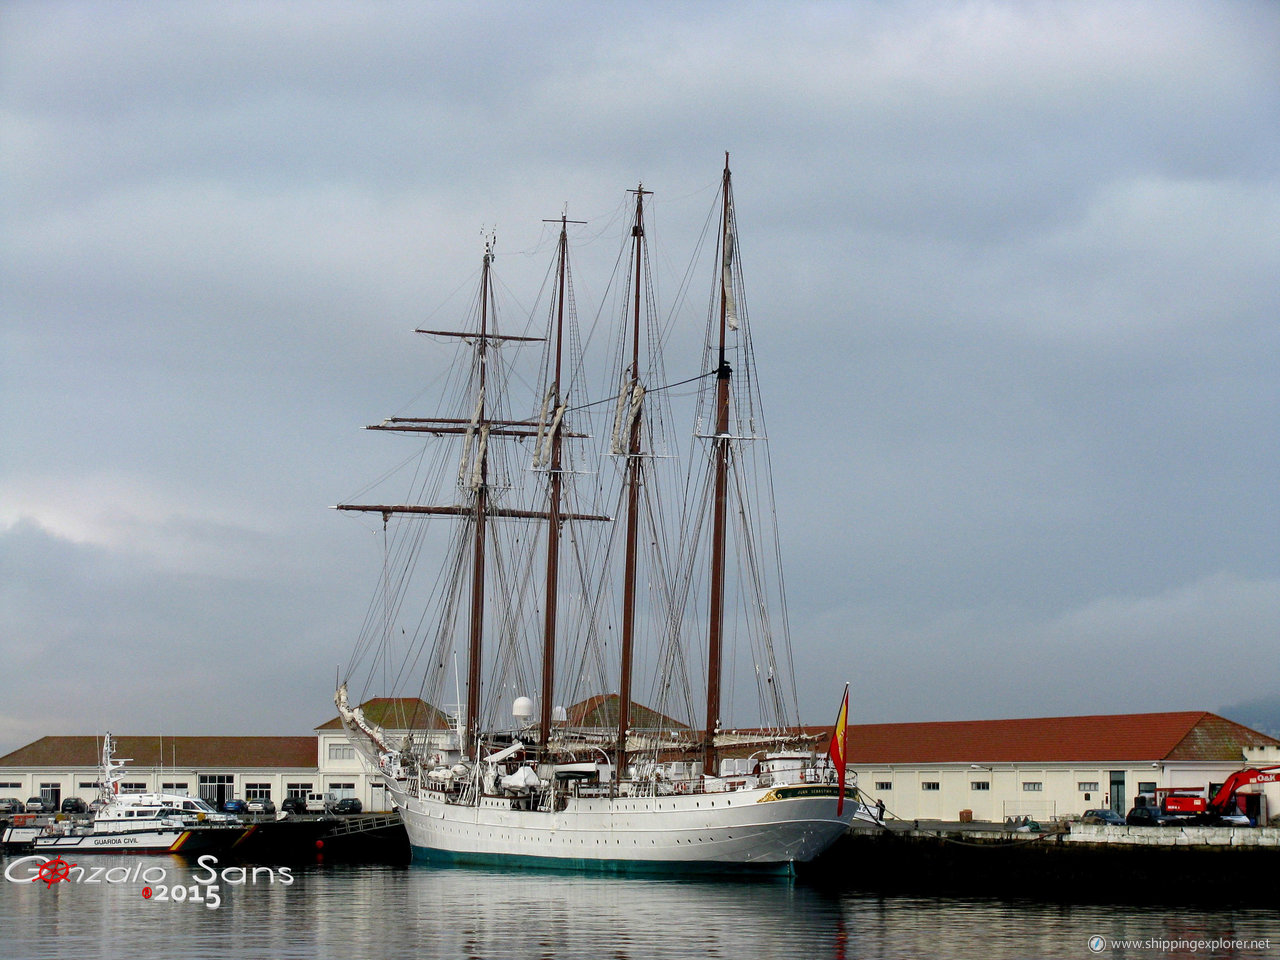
{"points": [[633, 497], [720, 459], [554, 495], [480, 510]]}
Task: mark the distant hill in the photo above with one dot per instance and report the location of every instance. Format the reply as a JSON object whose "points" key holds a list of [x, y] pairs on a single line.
{"points": [[1262, 714]]}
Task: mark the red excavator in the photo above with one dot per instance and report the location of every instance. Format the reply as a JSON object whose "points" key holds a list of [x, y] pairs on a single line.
{"points": [[1191, 806], [1224, 801]]}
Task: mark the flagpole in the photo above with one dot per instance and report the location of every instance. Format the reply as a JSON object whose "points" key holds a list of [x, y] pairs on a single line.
{"points": [[837, 751]]}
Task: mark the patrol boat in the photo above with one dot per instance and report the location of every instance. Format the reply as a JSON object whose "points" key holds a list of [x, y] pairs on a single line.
{"points": [[132, 822]]}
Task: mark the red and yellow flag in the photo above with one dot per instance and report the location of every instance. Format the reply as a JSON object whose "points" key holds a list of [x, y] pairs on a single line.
{"points": [[836, 751]]}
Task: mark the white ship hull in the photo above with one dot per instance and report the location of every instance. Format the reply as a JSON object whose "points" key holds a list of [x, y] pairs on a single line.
{"points": [[758, 829]]}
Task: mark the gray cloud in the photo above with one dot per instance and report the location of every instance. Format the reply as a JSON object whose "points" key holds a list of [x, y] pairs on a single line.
{"points": [[1012, 269]]}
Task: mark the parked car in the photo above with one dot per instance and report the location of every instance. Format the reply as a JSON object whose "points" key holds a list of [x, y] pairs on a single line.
{"points": [[74, 805], [1104, 817], [261, 805], [1148, 817], [294, 805], [234, 805], [348, 805], [1234, 820], [321, 802], [11, 805], [38, 805]]}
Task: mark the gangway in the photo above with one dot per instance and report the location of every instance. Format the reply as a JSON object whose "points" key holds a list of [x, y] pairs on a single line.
{"points": [[348, 825]]}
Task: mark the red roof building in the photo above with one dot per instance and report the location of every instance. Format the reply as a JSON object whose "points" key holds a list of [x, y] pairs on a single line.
{"points": [[1046, 767], [215, 768], [1192, 736], [995, 769]]}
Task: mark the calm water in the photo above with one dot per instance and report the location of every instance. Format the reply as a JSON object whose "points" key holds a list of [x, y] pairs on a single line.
{"points": [[417, 912]]}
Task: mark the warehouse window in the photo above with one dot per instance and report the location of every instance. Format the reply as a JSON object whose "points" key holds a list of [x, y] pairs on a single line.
{"points": [[257, 791], [297, 790], [884, 784], [1146, 786], [137, 786], [176, 787], [979, 784], [341, 751], [1090, 786], [931, 785], [1032, 786]]}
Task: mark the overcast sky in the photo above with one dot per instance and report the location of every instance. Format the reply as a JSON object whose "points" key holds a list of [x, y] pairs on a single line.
{"points": [[1014, 274]]}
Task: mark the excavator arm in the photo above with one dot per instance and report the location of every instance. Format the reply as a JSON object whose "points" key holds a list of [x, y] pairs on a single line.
{"points": [[1224, 800]]}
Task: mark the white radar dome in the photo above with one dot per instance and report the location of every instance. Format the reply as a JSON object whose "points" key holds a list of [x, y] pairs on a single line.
{"points": [[522, 709]]}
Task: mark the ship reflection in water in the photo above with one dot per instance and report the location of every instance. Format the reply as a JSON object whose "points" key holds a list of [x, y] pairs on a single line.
{"points": [[423, 912]]}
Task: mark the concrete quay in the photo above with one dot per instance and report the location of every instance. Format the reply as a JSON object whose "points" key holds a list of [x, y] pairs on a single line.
{"points": [[1066, 863], [1219, 837], [1083, 833]]}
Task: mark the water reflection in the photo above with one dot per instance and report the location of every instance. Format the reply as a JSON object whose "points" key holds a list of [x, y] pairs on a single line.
{"points": [[906, 927], [431, 912], [531, 915]]}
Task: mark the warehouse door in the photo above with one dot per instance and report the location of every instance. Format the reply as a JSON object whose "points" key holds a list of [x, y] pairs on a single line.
{"points": [[1117, 792], [216, 788]]}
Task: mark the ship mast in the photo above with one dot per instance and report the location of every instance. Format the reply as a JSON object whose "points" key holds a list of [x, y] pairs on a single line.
{"points": [[473, 475], [476, 502], [633, 394], [481, 482], [555, 410], [720, 459]]}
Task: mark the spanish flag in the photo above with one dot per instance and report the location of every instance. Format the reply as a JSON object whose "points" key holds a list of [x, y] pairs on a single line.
{"points": [[836, 751]]}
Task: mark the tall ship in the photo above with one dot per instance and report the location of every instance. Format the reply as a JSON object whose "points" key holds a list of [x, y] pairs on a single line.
{"points": [[600, 603]]}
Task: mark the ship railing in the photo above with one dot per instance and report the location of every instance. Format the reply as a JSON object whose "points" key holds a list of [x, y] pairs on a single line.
{"points": [[681, 786], [662, 788]]}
